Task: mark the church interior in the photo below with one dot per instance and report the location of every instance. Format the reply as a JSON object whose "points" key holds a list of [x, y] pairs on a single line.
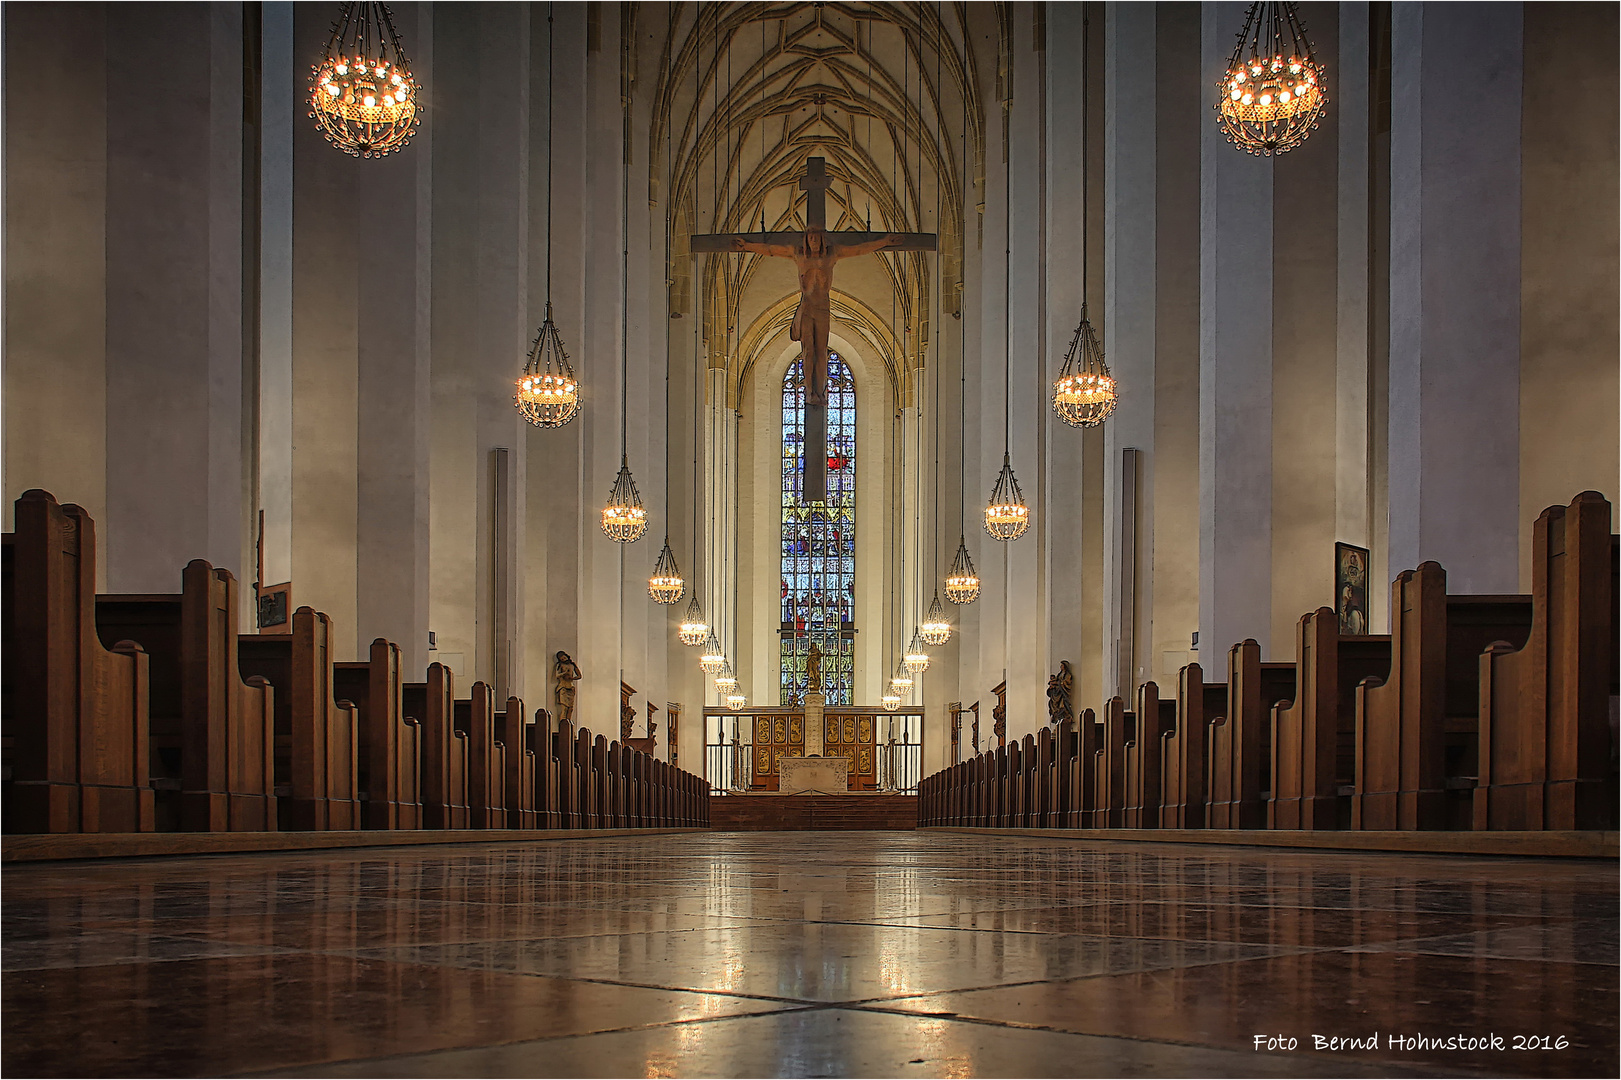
{"points": [[478, 594]]}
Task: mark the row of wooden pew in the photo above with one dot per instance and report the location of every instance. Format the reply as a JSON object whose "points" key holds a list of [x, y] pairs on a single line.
{"points": [[1475, 712], [137, 713]]}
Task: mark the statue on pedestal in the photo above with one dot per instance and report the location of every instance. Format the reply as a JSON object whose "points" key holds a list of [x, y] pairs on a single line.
{"points": [[813, 670], [567, 673], [1060, 692]]}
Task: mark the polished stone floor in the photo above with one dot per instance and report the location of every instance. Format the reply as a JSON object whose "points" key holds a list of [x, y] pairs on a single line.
{"points": [[808, 954]]}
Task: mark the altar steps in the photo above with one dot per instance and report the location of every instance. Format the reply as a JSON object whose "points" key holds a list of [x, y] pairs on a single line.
{"points": [[755, 813]]}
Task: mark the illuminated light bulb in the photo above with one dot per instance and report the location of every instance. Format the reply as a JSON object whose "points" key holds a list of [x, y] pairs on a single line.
{"points": [[694, 630], [711, 659]]}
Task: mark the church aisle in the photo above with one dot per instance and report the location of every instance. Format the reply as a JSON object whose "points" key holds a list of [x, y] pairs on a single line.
{"points": [[805, 954]]}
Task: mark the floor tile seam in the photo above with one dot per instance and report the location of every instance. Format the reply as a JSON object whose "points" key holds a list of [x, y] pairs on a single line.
{"points": [[1395, 950], [688, 1022], [358, 955], [1015, 1025], [1140, 970]]}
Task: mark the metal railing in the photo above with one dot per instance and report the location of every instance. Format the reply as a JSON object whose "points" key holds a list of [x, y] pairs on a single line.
{"points": [[729, 748]]}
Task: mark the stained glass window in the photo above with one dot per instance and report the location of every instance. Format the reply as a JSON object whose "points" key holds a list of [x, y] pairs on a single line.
{"points": [[818, 541]]}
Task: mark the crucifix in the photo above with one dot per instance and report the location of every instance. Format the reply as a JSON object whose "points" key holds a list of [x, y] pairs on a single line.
{"points": [[814, 252]]}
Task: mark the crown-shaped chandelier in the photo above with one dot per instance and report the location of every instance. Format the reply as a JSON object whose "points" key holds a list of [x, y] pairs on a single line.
{"points": [[712, 658], [1084, 393], [694, 630], [735, 702], [624, 519], [962, 582], [1007, 516], [891, 701], [726, 680], [1272, 93], [666, 586], [936, 628], [362, 95], [916, 658], [901, 682], [548, 393]]}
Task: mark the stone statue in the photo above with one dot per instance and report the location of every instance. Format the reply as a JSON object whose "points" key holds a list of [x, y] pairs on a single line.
{"points": [[1060, 694], [567, 673], [813, 670]]}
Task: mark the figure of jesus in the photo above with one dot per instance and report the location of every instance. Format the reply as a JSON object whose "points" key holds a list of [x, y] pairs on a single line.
{"points": [[814, 255]]}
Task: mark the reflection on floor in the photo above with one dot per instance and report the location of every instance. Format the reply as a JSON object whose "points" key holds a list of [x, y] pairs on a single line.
{"points": [[819, 954]]}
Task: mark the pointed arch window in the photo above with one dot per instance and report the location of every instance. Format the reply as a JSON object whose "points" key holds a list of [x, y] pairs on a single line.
{"points": [[818, 541]]}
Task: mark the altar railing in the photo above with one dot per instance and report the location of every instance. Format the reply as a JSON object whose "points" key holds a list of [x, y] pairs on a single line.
{"points": [[743, 750]]}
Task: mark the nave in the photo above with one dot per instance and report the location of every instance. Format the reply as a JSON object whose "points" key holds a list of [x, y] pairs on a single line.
{"points": [[810, 954]]}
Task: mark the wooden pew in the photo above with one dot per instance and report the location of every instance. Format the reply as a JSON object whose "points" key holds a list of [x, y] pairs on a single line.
{"points": [[587, 778], [1314, 736], [617, 800], [1184, 761], [1144, 778], [1045, 814], [520, 780], [212, 735], [1241, 738], [1109, 767], [1546, 751], [444, 749], [1417, 732], [569, 806], [76, 719], [316, 737], [601, 782], [1083, 776], [540, 744], [486, 760], [390, 760]]}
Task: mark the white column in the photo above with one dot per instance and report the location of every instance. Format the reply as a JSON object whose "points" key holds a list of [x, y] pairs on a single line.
{"points": [[1235, 384], [55, 259], [393, 381], [278, 113], [1131, 166], [1455, 292], [174, 294]]}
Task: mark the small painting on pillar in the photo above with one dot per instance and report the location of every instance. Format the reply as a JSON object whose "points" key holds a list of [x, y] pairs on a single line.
{"points": [[1351, 587]]}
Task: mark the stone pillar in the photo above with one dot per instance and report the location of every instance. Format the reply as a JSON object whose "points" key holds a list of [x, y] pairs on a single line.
{"points": [[393, 380], [1235, 379], [280, 101], [1455, 219], [1304, 252], [1172, 482], [55, 259], [174, 293], [1131, 166]]}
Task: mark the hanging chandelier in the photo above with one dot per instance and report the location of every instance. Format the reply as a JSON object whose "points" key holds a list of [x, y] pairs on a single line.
{"points": [[891, 701], [735, 702], [1272, 93], [666, 586], [902, 680], [936, 629], [694, 630], [712, 657], [1084, 394], [962, 583], [916, 659], [548, 393], [624, 519], [362, 95], [1007, 517], [726, 681]]}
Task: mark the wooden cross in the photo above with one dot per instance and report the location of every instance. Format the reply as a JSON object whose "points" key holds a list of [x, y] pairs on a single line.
{"points": [[811, 321]]}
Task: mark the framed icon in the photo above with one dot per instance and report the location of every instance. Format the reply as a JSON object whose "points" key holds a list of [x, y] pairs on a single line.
{"points": [[1351, 587]]}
